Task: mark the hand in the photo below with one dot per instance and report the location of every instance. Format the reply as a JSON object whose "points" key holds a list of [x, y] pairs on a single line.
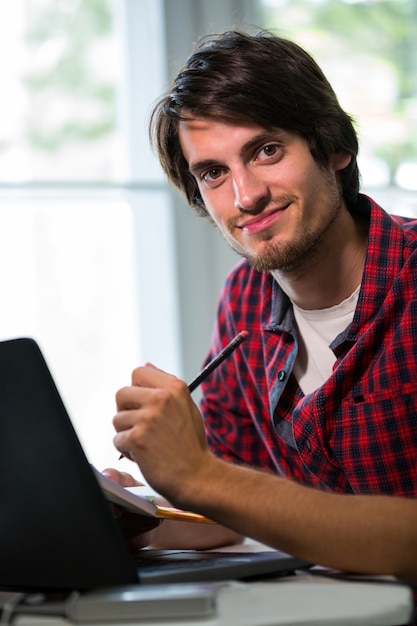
{"points": [[136, 529], [159, 426]]}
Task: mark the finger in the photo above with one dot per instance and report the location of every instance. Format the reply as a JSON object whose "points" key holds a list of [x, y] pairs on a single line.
{"points": [[128, 398], [151, 376], [122, 478], [152, 366], [126, 420], [121, 443]]}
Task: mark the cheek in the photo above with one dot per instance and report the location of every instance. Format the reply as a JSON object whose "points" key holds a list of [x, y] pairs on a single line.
{"points": [[217, 205], [315, 183], [222, 219], [294, 178], [309, 177], [212, 213]]}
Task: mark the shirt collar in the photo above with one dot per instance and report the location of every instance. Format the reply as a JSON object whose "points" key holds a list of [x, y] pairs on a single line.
{"points": [[382, 264], [384, 258]]}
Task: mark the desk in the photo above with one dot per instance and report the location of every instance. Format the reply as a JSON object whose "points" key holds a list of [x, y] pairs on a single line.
{"points": [[303, 600]]}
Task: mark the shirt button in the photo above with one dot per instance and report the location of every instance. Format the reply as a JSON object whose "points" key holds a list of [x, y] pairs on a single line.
{"points": [[308, 444], [281, 375]]}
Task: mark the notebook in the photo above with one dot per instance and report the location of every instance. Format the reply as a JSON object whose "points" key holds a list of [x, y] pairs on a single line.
{"points": [[56, 527]]}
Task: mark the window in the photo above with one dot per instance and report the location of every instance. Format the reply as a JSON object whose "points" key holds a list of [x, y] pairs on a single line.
{"points": [[60, 68], [66, 226]]}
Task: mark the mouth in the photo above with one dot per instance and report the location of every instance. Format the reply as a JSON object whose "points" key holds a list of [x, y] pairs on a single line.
{"points": [[261, 222]]}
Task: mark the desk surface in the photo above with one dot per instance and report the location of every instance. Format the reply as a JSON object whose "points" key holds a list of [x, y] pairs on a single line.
{"points": [[301, 600], [304, 600]]}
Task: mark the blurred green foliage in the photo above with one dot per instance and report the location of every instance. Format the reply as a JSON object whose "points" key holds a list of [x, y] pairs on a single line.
{"points": [[70, 82]]}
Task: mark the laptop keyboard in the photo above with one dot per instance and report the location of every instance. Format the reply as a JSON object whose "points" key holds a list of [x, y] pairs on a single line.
{"points": [[186, 559], [192, 565]]}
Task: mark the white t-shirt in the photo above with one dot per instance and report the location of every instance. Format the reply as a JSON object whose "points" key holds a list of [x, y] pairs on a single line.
{"points": [[317, 329]]}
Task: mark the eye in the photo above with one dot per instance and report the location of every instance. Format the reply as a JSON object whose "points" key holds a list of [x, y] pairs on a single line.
{"points": [[268, 152], [211, 175]]}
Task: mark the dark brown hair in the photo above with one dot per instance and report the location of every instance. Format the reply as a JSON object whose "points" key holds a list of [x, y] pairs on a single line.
{"points": [[259, 78]]}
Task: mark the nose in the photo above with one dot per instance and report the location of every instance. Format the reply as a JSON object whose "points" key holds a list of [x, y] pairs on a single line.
{"points": [[251, 193]]}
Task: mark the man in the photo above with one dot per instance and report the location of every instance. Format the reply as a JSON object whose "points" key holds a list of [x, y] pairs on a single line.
{"points": [[324, 390]]}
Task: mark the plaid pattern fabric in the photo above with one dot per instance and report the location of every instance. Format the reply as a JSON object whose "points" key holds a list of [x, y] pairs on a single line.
{"points": [[357, 432]]}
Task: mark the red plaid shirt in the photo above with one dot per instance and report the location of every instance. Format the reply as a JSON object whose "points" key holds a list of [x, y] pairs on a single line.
{"points": [[358, 431]]}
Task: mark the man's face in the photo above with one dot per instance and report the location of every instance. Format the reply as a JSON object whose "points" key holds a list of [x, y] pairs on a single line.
{"points": [[272, 202]]}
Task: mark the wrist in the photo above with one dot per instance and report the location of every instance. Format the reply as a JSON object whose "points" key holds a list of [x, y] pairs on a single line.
{"points": [[199, 489]]}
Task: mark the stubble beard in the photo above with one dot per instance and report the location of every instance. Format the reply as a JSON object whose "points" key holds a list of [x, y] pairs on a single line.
{"points": [[296, 256], [289, 258]]}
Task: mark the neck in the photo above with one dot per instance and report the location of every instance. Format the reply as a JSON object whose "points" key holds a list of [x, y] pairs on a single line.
{"points": [[336, 269]]}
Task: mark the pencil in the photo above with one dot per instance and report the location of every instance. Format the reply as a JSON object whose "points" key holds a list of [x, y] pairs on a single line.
{"points": [[214, 363]]}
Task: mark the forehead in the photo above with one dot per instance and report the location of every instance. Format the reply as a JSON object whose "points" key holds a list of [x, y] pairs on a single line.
{"points": [[203, 136], [209, 125]]}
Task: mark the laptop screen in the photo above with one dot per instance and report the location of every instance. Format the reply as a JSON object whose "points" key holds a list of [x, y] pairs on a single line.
{"points": [[56, 529]]}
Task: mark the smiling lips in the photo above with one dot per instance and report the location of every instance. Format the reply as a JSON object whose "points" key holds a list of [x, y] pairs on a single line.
{"points": [[260, 222]]}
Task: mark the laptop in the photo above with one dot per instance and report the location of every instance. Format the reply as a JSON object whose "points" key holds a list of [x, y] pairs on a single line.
{"points": [[56, 527]]}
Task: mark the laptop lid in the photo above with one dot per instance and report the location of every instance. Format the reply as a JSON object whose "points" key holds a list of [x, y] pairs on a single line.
{"points": [[56, 528]]}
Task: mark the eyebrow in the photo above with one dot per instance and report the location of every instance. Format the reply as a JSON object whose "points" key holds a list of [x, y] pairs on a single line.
{"points": [[253, 142], [200, 166]]}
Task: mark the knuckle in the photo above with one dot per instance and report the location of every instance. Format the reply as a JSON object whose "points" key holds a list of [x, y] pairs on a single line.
{"points": [[180, 386], [161, 397], [120, 395]]}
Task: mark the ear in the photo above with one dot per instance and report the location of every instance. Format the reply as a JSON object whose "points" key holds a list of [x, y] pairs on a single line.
{"points": [[340, 160]]}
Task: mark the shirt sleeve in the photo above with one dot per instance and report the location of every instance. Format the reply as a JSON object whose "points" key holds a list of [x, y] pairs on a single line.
{"points": [[230, 397]]}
